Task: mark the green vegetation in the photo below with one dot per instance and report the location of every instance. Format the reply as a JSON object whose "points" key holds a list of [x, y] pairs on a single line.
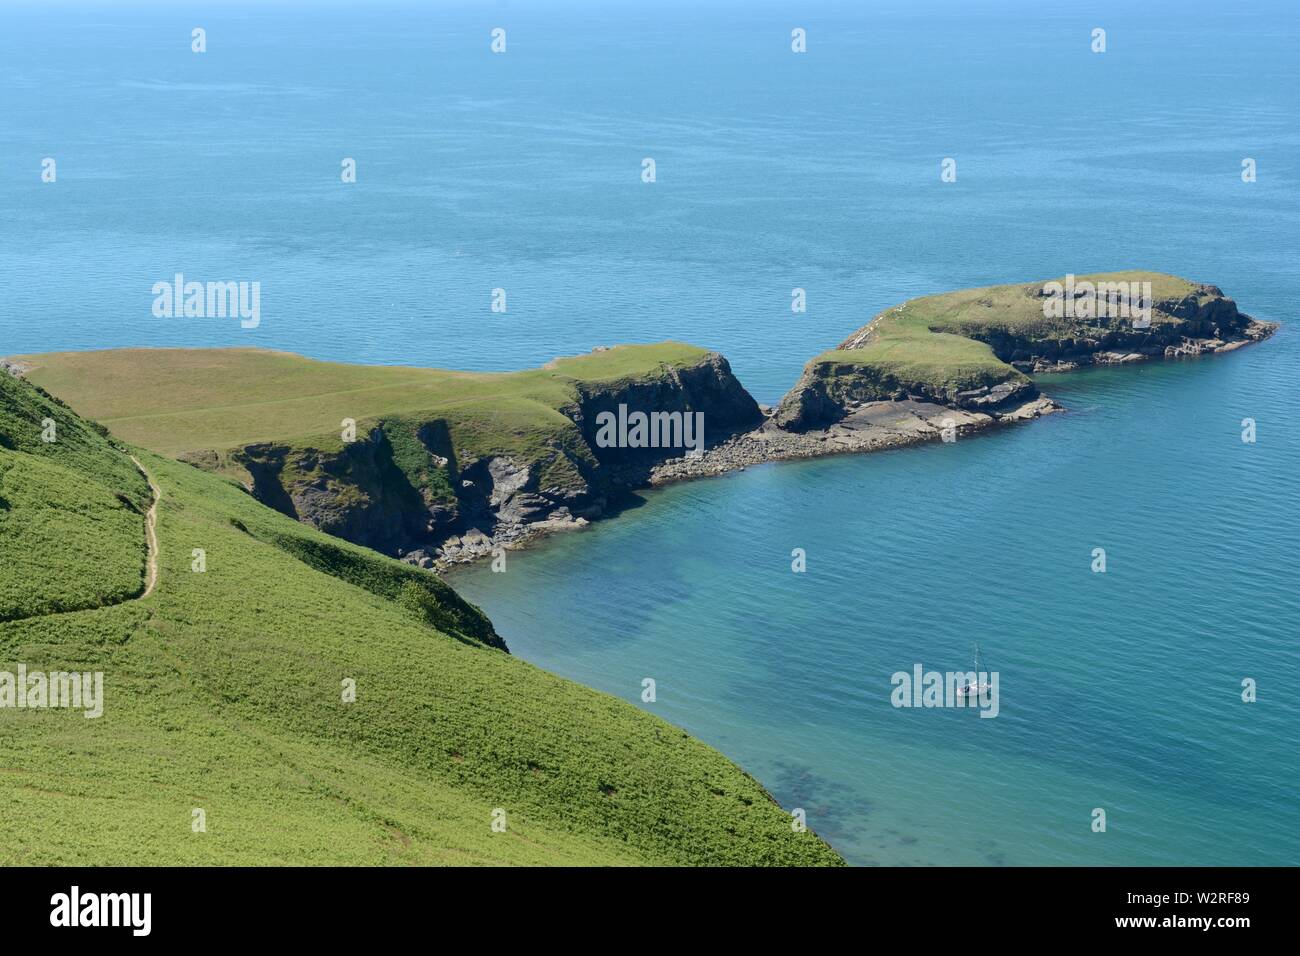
{"points": [[71, 510], [222, 693], [203, 400], [429, 599], [1017, 307], [420, 460], [911, 354], [80, 446], [414, 444], [959, 347], [237, 411], [942, 340]]}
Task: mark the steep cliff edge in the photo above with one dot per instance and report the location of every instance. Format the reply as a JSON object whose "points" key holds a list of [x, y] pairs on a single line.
{"points": [[430, 464], [438, 487], [329, 706], [438, 467]]}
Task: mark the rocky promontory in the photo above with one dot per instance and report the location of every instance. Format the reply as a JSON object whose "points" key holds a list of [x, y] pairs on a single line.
{"points": [[435, 491], [975, 349], [441, 467]]}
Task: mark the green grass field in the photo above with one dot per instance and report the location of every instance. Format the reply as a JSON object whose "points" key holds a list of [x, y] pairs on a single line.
{"points": [[201, 399], [223, 693], [913, 354], [939, 340], [208, 405]]}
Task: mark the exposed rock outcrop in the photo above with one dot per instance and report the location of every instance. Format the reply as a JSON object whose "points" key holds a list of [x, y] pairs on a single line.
{"points": [[869, 426], [709, 388], [1199, 319], [404, 488], [1200, 322], [355, 492], [826, 391], [437, 491]]}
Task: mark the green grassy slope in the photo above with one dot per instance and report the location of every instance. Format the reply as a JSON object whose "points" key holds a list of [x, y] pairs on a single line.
{"points": [[941, 338], [71, 510], [398, 459], [939, 346], [223, 693], [222, 398]]}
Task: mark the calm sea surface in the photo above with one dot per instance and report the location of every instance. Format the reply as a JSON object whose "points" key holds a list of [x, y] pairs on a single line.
{"points": [[819, 171]]}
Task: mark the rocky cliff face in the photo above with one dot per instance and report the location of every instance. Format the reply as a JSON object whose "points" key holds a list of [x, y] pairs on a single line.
{"points": [[826, 391], [1204, 320], [438, 490], [709, 388], [355, 492], [405, 488], [1201, 321]]}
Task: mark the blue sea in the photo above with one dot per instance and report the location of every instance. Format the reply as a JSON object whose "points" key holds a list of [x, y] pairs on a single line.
{"points": [[774, 170]]}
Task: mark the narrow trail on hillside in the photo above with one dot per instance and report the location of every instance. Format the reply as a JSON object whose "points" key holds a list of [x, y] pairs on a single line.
{"points": [[150, 533]]}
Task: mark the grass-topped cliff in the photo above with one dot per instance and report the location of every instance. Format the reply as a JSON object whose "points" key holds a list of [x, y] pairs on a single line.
{"points": [[447, 466], [222, 693], [973, 348], [437, 453]]}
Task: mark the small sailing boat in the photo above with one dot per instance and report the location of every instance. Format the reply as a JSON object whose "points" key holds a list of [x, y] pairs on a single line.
{"points": [[978, 687]]}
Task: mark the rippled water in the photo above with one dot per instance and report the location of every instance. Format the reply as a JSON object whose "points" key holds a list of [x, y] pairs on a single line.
{"points": [[1118, 690], [522, 171], [775, 171]]}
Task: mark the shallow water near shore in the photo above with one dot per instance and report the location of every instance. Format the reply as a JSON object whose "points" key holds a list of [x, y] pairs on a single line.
{"points": [[1117, 690]]}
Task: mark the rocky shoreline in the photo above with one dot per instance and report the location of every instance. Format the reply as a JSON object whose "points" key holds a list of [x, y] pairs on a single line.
{"points": [[866, 426], [449, 467], [871, 426], [1186, 348]]}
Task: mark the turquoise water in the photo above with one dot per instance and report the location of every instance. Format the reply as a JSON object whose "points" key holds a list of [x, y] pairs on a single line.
{"points": [[1117, 690], [775, 171]]}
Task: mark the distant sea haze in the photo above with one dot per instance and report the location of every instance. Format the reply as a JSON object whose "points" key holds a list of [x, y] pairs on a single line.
{"points": [[775, 171]]}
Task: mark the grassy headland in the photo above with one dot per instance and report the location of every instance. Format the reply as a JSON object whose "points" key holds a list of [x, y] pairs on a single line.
{"points": [[957, 348], [204, 399], [223, 693], [436, 453], [447, 466]]}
